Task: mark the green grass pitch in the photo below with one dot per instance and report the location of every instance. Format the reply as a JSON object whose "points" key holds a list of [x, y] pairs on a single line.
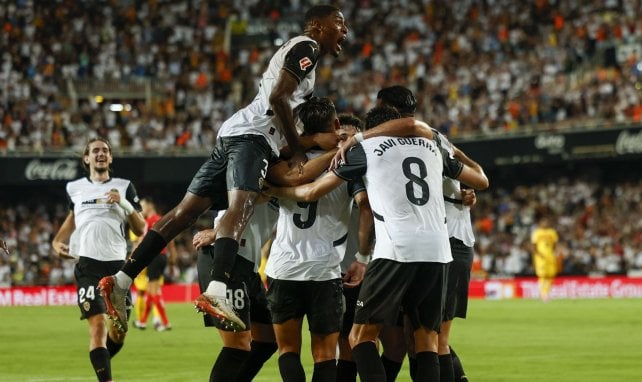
{"points": [[518, 340]]}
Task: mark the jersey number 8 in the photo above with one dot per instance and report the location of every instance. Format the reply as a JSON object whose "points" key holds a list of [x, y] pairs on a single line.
{"points": [[416, 179]]}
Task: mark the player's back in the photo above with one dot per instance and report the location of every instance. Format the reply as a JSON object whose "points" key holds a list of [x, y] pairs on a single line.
{"points": [[307, 233], [404, 182]]}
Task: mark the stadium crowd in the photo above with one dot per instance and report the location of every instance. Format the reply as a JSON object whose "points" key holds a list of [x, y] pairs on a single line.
{"points": [[476, 66], [599, 228]]}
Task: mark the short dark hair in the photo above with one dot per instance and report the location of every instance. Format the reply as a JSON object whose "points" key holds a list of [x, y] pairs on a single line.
{"points": [[399, 97], [317, 115], [351, 120], [320, 11], [379, 115], [86, 151]]}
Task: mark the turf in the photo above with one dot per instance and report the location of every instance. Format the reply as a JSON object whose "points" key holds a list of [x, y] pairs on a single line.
{"points": [[564, 340]]}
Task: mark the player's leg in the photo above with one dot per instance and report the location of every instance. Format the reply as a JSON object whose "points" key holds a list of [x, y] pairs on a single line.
{"points": [[456, 305], [248, 158], [446, 371], [155, 272], [232, 357], [285, 299], [394, 348], [102, 347], [325, 313], [263, 340], [114, 288], [236, 345], [346, 367], [140, 283], [424, 306], [288, 339], [384, 285], [458, 368]]}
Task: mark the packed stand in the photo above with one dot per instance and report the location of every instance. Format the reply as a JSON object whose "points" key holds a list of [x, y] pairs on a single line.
{"points": [[476, 67], [599, 227]]}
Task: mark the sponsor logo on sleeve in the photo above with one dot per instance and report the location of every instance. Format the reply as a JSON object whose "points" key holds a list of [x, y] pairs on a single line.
{"points": [[305, 63]]}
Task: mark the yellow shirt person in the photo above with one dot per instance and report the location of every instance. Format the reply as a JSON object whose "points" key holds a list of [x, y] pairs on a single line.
{"points": [[544, 240]]}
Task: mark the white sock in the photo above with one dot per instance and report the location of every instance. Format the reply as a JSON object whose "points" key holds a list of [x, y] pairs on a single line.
{"points": [[123, 280], [216, 289]]}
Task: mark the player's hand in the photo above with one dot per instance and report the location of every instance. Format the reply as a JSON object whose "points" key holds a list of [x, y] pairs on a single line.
{"points": [[203, 238], [297, 160], [3, 246], [340, 156], [62, 250], [327, 141], [113, 196], [354, 275], [468, 197]]}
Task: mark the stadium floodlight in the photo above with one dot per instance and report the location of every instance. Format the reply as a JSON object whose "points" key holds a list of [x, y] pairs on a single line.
{"points": [[116, 107]]}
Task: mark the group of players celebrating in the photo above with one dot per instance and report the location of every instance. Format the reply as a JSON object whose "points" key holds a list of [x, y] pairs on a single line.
{"points": [[391, 207]]}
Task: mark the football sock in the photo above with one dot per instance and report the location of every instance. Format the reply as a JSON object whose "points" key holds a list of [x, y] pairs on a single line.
{"points": [[149, 303], [223, 257], [99, 358], [325, 371], [159, 303], [412, 363], [290, 368], [139, 306], [346, 371], [391, 367], [427, 366], [113, 347], [446, 373], [260, 353], [368, 362], [146, 251], [228, 364], [458, 368]]}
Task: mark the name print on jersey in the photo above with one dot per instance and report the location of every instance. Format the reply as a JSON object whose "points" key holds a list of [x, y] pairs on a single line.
{"points": [[392, 142]]}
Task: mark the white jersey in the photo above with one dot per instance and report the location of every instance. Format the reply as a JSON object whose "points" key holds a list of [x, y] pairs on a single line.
{"points": [[404, 181], [458, 215], [100, 227], [257, 231], [307, 234], [298, 56]]}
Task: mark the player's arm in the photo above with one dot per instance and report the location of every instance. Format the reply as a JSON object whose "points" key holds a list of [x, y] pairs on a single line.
{"points": [[307, 192], [284, 117], [60, 243], [132, 208], [4, 247], [366, 224], [281, 174], [402, 127], [326, 141], [474, 175]]}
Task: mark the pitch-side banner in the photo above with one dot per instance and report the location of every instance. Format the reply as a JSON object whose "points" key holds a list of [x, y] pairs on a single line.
{"points": [[556, 147], [59, 170], [563, 288]]}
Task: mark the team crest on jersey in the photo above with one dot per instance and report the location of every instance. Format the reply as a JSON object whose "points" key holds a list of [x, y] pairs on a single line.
{"points": [[305, 63], [86, 306]]}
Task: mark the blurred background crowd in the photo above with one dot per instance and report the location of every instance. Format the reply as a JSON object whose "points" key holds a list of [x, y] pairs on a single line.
{"points": [[599, 227], [158, 78], [157, 75]]}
